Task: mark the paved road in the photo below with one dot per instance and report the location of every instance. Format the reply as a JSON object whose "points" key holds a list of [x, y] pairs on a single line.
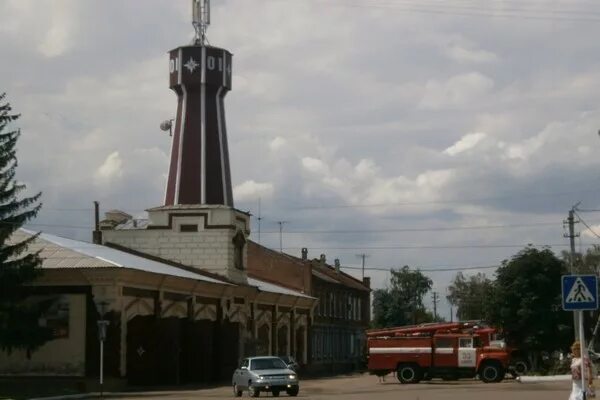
{"points": [[369, 388]]}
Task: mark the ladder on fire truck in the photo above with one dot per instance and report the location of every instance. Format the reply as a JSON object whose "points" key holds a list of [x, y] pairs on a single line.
{"points": [[426, 328]]}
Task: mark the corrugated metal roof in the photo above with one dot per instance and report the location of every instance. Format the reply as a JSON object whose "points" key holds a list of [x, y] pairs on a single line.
{"points": [[324, 277], [136, 223], [59, 252], [270, 287], [62, 253]]}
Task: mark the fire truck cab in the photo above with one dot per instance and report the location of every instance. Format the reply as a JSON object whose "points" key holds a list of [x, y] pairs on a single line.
{"points": [[434, 353]]}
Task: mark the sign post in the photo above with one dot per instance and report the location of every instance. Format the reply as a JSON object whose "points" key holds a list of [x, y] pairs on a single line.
{"points": [[102, 324], [579, 293]]}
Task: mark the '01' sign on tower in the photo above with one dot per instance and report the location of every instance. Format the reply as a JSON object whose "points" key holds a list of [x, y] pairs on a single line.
{"points": [[199, 166]]}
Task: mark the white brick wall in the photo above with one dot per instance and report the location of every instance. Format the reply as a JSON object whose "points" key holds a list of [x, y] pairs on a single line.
{"points": [[208, 249]]}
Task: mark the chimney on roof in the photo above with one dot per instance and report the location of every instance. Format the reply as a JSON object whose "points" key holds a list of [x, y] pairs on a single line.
{"points": [[304, 254], [337, 265], [322, 259], [367, 281], [97, 234]]}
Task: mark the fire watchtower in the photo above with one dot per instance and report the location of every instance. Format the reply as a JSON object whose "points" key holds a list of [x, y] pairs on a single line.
{"points": [[200, 75]]}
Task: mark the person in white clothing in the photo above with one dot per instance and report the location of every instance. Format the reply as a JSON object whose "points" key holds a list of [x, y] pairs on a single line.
{"points": [[577, 390]]}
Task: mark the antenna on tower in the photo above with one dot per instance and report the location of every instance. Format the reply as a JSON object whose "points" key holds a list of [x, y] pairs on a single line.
{"points": [[200, 20]]}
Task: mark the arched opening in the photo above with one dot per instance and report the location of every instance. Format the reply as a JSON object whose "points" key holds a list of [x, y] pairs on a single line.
{"points": [[282, 341], [262, 340], [300, 345]]}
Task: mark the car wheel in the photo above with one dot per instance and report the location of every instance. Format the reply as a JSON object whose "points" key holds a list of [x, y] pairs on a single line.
{"points": [[236, 391], [275, 393], [253, 392]]}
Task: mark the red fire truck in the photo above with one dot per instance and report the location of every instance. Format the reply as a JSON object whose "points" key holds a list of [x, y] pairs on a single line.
{"points": [[440, 350]]}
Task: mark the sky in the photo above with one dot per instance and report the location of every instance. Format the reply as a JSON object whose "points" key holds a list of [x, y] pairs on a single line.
{"points": [[445, 136]]}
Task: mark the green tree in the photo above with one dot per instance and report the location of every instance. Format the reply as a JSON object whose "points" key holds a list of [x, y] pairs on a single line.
{"points": [[471, 296], [402, 302], [19, 327], [527, 303], [589, 263]]}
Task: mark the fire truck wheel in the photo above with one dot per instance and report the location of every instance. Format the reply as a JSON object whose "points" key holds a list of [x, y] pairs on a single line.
{"points": [[521, 366], [409, 373], [491, 372]]}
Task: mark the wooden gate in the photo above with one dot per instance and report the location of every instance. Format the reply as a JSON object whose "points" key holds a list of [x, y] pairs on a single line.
{"points": [[229, 343], [153, 351], [141, 350], [197, 356]]}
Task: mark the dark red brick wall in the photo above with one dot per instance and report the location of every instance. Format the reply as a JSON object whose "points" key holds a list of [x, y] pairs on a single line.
{"points": [[274, 267]]}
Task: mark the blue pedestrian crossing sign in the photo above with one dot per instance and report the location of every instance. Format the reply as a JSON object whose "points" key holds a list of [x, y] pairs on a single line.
{"points": [[579, 292]]}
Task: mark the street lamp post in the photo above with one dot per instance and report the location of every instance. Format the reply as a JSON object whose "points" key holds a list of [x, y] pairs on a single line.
{"points": [[102, 325]]}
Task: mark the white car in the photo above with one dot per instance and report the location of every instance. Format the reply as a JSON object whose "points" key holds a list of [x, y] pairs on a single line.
{"points": [[264, 374]]}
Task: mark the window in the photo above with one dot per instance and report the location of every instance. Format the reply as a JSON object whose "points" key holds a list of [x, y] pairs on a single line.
{"points": [[444, 342], [239, 241], [333, 306], [465, 343], [188, 228]]}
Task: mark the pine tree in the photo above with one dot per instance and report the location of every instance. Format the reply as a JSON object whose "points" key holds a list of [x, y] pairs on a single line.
{"points": [[19, 327]]}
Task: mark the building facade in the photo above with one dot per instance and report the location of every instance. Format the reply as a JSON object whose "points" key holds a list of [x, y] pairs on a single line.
{"points": [[184, 292], [337, 334], [168, 323]]}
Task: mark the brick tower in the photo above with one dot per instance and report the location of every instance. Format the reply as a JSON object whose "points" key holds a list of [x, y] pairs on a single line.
{"points": [[200, 75], [197, 225]]}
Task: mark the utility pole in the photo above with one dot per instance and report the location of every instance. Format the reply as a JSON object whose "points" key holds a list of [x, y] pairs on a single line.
{"points": [[451, 313], [572, 235], [281, 234], [435, 301], [363, 256]]}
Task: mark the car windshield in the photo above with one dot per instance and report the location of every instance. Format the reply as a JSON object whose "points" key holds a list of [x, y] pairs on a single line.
{"points": [[267, 363]]}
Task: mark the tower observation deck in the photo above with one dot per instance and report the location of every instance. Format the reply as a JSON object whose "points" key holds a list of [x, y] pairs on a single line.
{"points": [[200, 75]]}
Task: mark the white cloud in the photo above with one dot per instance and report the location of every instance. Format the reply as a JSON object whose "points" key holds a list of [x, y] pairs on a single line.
{"points": [[366, 169], [467, 142], [277, 143], [314, 165], [457, 91], [62, 30], [111, 168], [319, 116], [251, 190], [591, 233], [464, 55]]}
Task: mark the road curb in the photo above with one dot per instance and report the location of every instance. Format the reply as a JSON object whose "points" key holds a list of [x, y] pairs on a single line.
{"points": [[548, 378]]}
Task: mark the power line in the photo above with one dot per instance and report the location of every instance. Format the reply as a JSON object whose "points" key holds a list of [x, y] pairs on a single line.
{"points": [[428, 269], [431, 229], [432, 247], [441, 202], [418, 8], [586, 225]]}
